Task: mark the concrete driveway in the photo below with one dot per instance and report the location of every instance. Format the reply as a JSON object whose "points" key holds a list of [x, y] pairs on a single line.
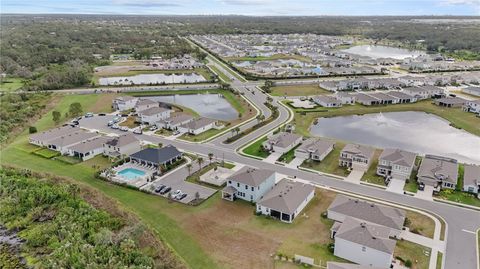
{"points": [[396, 185], [273, 157], [295, 162], [426, 194], [355, 176]]}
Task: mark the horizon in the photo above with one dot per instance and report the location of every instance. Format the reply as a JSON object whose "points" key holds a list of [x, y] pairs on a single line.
{"points": [[259, 8]]}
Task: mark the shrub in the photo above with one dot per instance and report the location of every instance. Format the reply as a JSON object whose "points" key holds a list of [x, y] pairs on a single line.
{"points": [[408, 263], [32, 129]]}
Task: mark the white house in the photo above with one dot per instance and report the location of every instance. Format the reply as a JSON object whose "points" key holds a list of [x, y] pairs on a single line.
{"points": [[153, 114], [249, 184], [123, 145], [42, 139], [286, 200], [396, 163], [282, 142], [174, 121], [472, 106], [143, 104], [345, 98], [357, 157], [314, 149], [363, 243], [439, 172], [197, 126], [123, 103], [327, 101], [471, 178], [63, 143], [88, 149]]}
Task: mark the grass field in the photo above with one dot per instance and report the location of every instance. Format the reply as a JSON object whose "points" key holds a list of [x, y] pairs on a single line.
{"points": [[420, 224], [220, 74], [256, 149], [417, 254], [458, 118], [11, 84], [298, 90], [46, 153], [330, 163], [371, 175]]}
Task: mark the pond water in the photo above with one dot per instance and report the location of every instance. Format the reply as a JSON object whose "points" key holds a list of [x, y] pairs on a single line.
{"points": [[207, 105], [413, 131], [153, 79], [383, 52]]}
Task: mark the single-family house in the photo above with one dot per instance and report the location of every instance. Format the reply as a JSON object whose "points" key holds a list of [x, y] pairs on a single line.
{"points": [[450, 102], [122, 145], [153, 114], [343, 207], [197, 126], [366, 100], [88, 149], [286, 200], [315, 149], [157, 156], [424, 92], [143, 104], [412, 81], [327, 101], [364, 243], [472, 106], [384, 99], [174, 121], [123, 103], [357, 157], [345, 98], [473, 90], [62, 143], [42, 139], [282, 142], [402, 98], [396, 163], [249, 184], [439, 172], [471, 178]]}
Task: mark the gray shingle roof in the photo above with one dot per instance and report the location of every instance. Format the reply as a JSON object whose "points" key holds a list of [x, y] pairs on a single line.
{"points": [[153, 111], [155, 155], [54, 133], [438, 168], [361, 150], [471, 175], [90, 145], [283, 139], [122, 140], [368, 211], [177, 118], [286, 196], [366, 234], [198, 123], [399, 157], [251, 176], [315, 145], [73, 138]]}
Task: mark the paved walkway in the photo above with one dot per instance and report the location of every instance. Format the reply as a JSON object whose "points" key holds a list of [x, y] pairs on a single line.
{"points": [[273, 157], [355, 176], [295, 162], [396, 185]]}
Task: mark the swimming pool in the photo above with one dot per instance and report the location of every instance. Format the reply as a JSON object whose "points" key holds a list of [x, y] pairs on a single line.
{"points": [[131, 173]]}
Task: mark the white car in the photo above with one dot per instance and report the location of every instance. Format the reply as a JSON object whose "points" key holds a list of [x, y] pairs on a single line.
{"points": [[153, 128], [114, 126], [137, 131], [176, 193], [124, 129]]}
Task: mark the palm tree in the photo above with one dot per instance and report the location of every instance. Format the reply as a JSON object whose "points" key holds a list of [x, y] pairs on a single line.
{"points": [[210, 157], [200, 161], [237, 130], [233, 132], [269, 99], [189, 168]]}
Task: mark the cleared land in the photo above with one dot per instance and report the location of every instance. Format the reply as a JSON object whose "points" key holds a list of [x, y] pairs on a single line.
{"points": [[119, 71], [298, 90], [11, 84]]}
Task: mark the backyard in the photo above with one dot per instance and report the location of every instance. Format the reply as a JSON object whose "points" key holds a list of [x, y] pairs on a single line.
{"points": [[329, 165]]}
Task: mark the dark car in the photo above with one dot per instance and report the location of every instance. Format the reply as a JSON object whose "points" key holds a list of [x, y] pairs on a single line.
{"points": [[452, 95], [182, 196], [102, 114], [159, 188], [165, 190]]}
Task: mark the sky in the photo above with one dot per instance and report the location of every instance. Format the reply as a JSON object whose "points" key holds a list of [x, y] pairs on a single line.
{"points": [[246, 7]]}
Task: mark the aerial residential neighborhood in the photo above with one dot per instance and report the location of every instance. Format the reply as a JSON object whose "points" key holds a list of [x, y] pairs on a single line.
{"points": [[240, 134]]}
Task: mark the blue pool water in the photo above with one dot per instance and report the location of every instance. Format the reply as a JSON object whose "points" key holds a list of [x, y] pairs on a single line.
{"points": [[131, 173]]}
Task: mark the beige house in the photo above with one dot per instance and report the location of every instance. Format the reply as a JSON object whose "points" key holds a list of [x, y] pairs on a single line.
{"points": [[357, 157], [396, 163], [439, 172], [314, 149]]}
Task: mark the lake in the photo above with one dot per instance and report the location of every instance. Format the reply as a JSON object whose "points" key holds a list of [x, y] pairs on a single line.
{"points": [[152, 79], [413, 131], [207, 105], [376, 52]]}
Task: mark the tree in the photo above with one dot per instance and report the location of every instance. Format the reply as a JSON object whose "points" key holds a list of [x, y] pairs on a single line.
{"points": [[260, 118], [237, 130], [269, 99], [210, 157], [200, 161], [56, 116], [197, 195], [32, 129], [189, 168], [75, 109]]}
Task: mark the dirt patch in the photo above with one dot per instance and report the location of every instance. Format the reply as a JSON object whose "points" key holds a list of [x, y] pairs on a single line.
{"points": [[103, 103]]}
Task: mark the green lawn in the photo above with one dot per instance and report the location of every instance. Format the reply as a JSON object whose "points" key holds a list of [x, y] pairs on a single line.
{"points": [[371, 175], [202, 136], [439, 260], [10, 84], [220, 74], [330, 163], [459, 197], [298, 90], [256, 149], [287, 157], [46, 153], [417, 254], [458, 118]]}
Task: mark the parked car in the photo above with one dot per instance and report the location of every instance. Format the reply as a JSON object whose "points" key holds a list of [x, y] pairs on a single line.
{"points": [[102, 114], [181, 196], [176, 133], [75, 122], [452, 95], [153, 128], [159, 188], [176, 193], [138, 131], [110, 123], [165, 190], [114, 126], [116, 119], [123, 129], [89, 115]]}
